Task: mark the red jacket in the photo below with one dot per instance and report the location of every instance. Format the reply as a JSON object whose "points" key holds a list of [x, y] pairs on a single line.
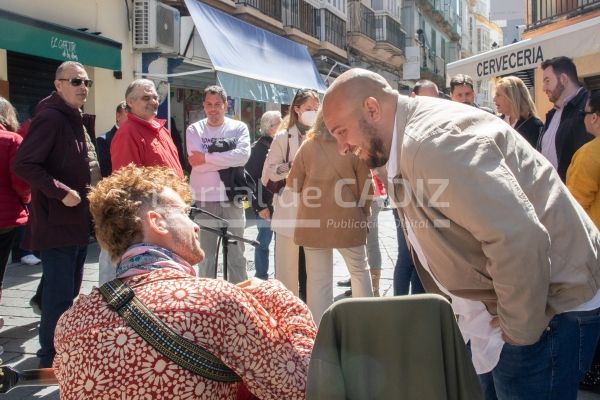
{"points": [[14, 192], [145, 144]]}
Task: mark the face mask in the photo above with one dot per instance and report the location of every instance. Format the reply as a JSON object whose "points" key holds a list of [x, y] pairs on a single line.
{"points": [[308, 118]]}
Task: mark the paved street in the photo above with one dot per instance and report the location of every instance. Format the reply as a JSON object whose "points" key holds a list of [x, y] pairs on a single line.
{"points": [[19, 334]]}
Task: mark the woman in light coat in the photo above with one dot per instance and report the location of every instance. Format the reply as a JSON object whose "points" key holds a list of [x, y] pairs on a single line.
{"points": [[285, 203], [336, 192]]}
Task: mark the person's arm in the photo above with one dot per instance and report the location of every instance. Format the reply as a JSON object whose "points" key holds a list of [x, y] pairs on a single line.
{"points": [[20, 187], [365, 186], [273, 168], [583, 177], [126, 148], [29, 162], [485, 199], [194, 147], [266, 336], [236, 157], [297, 176]]}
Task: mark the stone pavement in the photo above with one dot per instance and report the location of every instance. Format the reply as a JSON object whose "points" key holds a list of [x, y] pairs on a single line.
{"points": [[19, 334]]}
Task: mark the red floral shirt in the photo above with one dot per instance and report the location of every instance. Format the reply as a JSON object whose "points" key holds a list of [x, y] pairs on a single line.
{"points": [[265, 335]]}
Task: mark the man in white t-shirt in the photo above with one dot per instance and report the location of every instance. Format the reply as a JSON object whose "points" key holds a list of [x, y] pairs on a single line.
{"points": [[215, 144]]}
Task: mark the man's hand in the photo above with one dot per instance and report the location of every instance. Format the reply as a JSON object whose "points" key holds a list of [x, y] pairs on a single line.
{"points": [[250, 284], [71, 199], [495, 323], [196, 159], [265, 214]]}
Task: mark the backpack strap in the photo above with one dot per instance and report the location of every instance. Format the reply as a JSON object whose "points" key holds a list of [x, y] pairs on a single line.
{"points": [[188, 355]]}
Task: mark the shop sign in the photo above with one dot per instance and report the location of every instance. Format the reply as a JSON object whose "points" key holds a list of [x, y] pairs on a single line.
{"points": [[520, 59]]}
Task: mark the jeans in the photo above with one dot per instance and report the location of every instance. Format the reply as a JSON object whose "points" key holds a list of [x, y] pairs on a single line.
{"points": [[63, 272], [405, 273], [261, 253], [552, 367]]}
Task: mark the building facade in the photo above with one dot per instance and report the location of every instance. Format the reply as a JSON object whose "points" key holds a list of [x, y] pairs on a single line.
{"points": [[38, 35]]}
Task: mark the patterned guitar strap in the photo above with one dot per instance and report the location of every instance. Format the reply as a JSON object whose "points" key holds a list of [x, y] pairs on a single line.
{"points": [[188, 355]]}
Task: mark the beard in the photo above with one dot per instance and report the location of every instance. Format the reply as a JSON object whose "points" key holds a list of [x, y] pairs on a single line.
{"points": [[555, 94], [376, 154]]}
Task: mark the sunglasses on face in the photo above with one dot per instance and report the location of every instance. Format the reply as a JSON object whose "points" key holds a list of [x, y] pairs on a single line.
{"points": [[78, 81]]}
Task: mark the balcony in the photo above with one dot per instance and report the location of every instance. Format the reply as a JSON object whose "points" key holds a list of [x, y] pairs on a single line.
{"points": [[443, 12], [332, 29], [542, 12], [300, 15], [270, 8], [361, 27], [389, 35], [433, 68]]}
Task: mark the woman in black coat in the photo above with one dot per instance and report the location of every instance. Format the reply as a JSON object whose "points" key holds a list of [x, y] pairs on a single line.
{"points": [[516, 107]]}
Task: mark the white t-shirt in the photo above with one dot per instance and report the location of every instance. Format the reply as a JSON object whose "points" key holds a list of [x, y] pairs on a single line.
{"points": [[205, 181]]}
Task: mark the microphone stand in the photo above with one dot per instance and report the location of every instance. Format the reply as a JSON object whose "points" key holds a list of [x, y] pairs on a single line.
{"points": [[224, 235]]}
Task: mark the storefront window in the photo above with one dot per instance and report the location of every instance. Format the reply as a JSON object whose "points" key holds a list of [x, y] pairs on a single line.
{"points": [[251, 113]]}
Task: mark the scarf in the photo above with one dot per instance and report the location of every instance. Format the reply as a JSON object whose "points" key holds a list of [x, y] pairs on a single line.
{"points": [[143, 258]]}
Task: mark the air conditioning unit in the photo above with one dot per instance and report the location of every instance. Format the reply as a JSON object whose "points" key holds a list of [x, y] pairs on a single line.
{"points": [[155, 27]]}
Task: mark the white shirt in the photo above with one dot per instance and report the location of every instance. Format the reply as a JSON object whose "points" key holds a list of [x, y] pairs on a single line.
{"points": [[473, 318], [205, 181]]}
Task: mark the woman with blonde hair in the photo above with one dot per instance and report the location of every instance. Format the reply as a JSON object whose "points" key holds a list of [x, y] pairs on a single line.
{"points": [[289, 257], [516, 107], [332, 214]]}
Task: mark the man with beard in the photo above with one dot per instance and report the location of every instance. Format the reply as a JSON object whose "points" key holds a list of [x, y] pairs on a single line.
{"points": [[564, 132], [485, 216]]}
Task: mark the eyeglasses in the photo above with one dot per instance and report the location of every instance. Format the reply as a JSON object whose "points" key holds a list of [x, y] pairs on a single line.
{"points": [[584, 113], [78, 81]]}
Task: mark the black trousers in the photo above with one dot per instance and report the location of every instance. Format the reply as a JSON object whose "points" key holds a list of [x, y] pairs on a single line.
{"points": [[6, 240]]}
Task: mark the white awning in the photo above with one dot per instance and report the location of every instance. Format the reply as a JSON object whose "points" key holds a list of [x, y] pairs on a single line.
{"points": [[573, 41], [251, 62]]}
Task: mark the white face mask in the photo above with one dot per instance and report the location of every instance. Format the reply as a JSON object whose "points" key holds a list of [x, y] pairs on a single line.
{"points": [[308, 118]]}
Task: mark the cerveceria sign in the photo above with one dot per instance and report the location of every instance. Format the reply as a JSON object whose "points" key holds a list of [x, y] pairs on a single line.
{"points": [[523, 58]]}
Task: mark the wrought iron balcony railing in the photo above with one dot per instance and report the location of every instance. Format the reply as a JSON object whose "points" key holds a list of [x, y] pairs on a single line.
{"points": [[362, 19], [389, 30], [300, 15], [544, 11], [272, 8], [331, 28]]}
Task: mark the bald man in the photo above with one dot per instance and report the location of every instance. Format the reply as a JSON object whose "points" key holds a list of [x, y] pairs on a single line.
{"points": [[485, 216], [425, 87]]}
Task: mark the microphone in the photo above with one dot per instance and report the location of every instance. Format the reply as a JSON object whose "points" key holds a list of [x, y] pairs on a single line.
{"points": [[198, 210]]}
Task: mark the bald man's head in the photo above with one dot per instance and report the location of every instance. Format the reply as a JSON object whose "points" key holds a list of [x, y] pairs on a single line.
{"points": [[354, 85], [358, 109]]}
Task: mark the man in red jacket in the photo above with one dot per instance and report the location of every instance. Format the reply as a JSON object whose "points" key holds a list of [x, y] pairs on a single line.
{"points": [[143, 139]]}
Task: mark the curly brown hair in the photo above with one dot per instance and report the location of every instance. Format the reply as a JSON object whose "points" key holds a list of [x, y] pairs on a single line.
{"points": [[117, 203]]}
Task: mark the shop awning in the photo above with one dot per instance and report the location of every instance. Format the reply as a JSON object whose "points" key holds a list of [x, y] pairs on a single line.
{"points": [[43, 39], [575, 40], [251, 62]]}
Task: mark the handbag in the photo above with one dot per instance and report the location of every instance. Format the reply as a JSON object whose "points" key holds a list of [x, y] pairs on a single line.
{"points": [[276, 186]]}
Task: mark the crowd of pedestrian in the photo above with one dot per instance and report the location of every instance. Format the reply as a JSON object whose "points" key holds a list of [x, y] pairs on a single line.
{"points": [[467, 185]]}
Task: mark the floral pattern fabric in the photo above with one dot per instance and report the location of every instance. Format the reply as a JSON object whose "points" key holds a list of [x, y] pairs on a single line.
{"points": [[264, 334]]}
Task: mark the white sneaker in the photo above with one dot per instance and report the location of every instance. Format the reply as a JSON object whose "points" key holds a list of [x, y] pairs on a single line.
{"points": [[30, 259]]}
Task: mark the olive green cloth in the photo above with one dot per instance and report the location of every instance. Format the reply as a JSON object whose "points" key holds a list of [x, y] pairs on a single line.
{"points": [[406, 347]]}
